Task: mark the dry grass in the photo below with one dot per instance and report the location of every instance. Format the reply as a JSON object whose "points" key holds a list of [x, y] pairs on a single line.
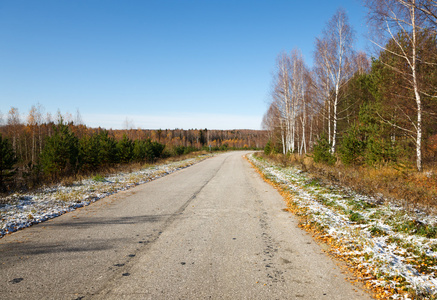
{"points": [[181, 157], [414, 189], [104, 171], [68, 181]]}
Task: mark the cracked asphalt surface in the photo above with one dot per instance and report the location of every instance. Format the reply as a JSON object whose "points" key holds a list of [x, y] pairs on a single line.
{"points": [[215, 230]]}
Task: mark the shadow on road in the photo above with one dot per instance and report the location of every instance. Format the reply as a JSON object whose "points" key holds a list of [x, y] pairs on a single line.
{"points": [[91, 222], [84, 242]]}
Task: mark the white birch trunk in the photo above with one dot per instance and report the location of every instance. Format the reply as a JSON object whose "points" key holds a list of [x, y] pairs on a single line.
{"points": [[416, 92]]}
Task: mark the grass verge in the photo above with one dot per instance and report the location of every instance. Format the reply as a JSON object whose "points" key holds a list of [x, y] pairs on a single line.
{"points": [[392, 249]]}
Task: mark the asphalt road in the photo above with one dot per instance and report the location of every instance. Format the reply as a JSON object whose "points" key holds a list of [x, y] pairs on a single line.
{"points": [[215, 230]]}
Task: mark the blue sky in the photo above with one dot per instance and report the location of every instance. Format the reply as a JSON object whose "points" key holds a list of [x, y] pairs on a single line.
{"points": [[160, 64]]}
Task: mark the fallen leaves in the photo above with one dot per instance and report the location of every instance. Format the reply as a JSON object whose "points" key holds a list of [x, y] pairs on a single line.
{"points": [[388, 248]]}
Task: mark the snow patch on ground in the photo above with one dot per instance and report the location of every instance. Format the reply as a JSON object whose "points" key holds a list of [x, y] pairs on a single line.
{"points": [[25, 209], [376, 237]]}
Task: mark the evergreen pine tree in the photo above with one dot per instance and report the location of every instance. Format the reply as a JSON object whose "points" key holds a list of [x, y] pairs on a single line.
{"points": [[108, 152], [89, 148], [60, 154], [125, 149], [7, 161]]}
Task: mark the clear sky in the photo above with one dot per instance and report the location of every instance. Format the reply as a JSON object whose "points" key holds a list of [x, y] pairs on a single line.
{"points": [[160, 64]]}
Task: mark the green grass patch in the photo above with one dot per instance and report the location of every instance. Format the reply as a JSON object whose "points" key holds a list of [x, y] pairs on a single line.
{"points": [[314, 182], [378, 214], [377, 231], [359, 204], [99, 178], [325, 201], [417, 228], [356, 217]]}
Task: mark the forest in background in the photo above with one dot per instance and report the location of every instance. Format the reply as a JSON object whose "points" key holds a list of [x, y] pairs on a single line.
{"points": [[356, 110], [41, 149]]}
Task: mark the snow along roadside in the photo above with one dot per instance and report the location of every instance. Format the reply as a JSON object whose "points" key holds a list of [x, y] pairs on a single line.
{"points": [[25, 209], [376, 238]]}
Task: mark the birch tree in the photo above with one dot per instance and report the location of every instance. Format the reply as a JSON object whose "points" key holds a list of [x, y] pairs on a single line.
{"points": [[32, 123], [335, 48], [14, 123], [289, 114], [428, 9], [270, 121], [324, 83], [300, 76], [399, 20], [311, 109], [282, 99]]}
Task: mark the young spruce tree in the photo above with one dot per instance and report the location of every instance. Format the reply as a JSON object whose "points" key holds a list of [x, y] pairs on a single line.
{"points": [[60, 154], [7, 162]]}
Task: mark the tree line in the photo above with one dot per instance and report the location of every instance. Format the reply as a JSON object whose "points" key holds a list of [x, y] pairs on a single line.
{"points": [[46, 149], [357, 109]]}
